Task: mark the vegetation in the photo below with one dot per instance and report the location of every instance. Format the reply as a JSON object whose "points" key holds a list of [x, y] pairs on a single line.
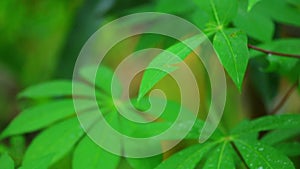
{"points": [[257, 42]]}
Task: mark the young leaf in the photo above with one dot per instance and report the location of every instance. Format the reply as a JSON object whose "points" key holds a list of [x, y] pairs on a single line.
{"points": [[89, 155], [164, 61], [187, 158], [220, 157], [56, 141], [284, 121], [260, 156], [6, 162], [53, 89], [42, 115], [231, 46]]}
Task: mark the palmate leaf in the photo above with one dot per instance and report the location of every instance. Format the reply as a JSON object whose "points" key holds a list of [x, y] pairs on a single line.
{"points": [[259, 156], [6, 162], [55, 141], [89, 155], [187, 158], [231, 46]]}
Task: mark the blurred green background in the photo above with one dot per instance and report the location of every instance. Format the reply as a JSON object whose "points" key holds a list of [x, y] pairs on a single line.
{"points": [[41, 39]]}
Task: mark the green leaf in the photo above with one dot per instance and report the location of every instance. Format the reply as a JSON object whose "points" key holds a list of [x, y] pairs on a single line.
{"points": [[289, 14], [231, 46], [290, 149], [220, 157], [89, 155], [145, 163], [260, 156], [251, 3], [164, 61], [278, 136], [254, 23], [6, 162], [284, 121], [41, 116], [187, 158], [56, 88], [55, 141]]}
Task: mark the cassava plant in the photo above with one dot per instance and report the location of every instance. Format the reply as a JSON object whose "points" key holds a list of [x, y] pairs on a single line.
{"points": [[253, 45]]}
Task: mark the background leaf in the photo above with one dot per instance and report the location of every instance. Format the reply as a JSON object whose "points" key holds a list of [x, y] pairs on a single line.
{"points": [[254, 23]]}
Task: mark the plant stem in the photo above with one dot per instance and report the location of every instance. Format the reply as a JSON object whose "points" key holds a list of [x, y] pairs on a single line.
{"points": [[272, 52], [284, 99]]}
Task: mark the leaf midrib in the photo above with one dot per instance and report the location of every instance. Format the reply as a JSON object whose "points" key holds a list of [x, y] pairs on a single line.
{"points": [[221, 154]]}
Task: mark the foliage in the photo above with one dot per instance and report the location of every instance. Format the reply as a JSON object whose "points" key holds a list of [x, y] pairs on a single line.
{"points": [[269, 141]]}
